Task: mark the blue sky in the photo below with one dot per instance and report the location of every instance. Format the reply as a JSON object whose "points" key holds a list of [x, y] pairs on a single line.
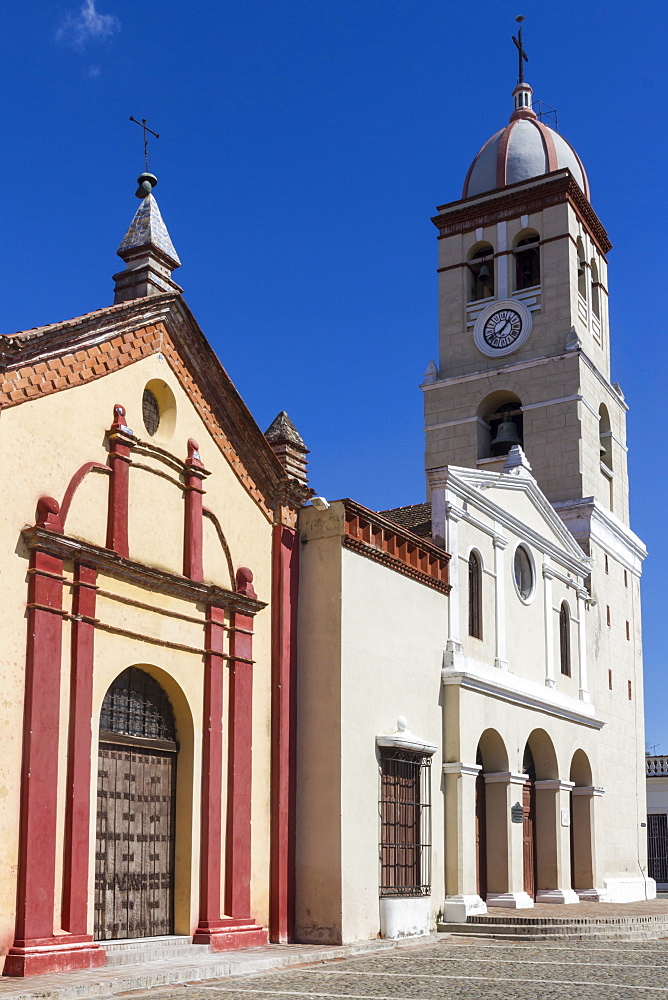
{"points": [[304, 145]]}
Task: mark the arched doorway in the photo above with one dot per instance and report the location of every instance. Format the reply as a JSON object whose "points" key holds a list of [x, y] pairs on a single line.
{"points": [[491, 810], [581, 831], [136, 797], [529, 823]]}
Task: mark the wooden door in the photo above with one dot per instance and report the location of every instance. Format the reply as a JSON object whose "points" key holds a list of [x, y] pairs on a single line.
{"points": [[529, 838], [134, 854], [481, 835]]}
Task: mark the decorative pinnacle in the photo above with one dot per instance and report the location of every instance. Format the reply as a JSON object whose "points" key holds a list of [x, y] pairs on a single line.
{"points": [[146, 184]]}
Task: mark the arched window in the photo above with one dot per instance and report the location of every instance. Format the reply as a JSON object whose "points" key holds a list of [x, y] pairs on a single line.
{"points": [[481, 272], [565, 639], [136, 705], [605, 437], [595, 291], [582, 269], [527, 261], [475, 596]]}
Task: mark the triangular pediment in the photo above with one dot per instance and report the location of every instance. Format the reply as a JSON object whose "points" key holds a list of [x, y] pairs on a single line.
{"points": [[62, 356]]}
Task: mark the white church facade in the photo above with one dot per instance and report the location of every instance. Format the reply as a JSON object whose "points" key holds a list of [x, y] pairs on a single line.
{"points": [[499, 622]]}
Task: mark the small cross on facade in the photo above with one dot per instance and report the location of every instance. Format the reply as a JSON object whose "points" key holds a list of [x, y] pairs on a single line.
{"points": [[521, 54], [156, 134]]}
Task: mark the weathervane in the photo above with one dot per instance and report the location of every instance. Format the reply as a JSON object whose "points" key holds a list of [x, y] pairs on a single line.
{"points": [[157, 134], [521, 54]]}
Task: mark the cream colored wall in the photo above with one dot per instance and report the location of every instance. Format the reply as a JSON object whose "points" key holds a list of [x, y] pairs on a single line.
{"points": [[657, 795], [376, 655], [57, 434]]}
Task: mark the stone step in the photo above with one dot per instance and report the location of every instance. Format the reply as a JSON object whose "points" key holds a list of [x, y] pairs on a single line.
{"points": [[133, 951], [598, 938], [547, 930]]}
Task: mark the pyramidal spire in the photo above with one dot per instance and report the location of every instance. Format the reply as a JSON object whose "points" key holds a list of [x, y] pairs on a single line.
{"points": [[147, 250]]}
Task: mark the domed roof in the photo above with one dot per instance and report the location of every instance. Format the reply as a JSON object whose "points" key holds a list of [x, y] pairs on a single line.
{"points": [[525, 148]]}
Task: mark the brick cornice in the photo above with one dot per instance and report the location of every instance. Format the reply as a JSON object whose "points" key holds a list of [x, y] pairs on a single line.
{"points": [[60, 356], [377, 538], [521, 198]]}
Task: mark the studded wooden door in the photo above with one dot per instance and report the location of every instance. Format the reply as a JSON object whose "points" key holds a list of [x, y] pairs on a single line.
{"points": [[134, 855], [529, 839]]}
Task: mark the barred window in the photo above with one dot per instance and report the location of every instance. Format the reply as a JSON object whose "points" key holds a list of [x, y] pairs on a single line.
{"points": [[565, 639], [405, 823], [475, 596], [150, 412], [136, 705]]}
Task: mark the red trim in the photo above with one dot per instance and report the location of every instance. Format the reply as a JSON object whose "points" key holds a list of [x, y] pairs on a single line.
{"points": [[548, 146], [120, 441], [212, 779], [36, 948], [285, 580], [192, 536], [502, 155], [77, 816], [74, 484], [239, 780]]}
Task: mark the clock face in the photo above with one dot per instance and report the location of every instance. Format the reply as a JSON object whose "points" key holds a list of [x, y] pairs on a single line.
{"points": [[502, 328]]}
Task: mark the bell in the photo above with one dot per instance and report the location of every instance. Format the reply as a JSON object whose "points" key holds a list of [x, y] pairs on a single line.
{"points": [[506, 437], [602, 449], [484, 274]]}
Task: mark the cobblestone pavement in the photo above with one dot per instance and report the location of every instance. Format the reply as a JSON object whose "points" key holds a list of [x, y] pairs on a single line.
{"points": [[458, 969]]}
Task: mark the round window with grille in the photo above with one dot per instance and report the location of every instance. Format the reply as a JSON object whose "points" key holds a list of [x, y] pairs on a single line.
{"points": [[150, 412], [524, 574]]}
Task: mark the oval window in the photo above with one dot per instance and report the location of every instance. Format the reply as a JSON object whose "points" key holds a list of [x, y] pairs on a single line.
{"points": [[150, 412], [523, 573]]}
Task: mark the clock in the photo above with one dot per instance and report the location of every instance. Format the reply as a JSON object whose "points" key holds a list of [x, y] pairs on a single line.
{"points": [[502, 328]]}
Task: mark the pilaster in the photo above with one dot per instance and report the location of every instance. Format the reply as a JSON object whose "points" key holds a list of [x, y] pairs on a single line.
{"points": [[505, 852], [461, 893], [548, 576], [500, 656], [582, 646], [553, 839]]}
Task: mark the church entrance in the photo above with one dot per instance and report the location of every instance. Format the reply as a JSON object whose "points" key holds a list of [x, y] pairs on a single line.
{"points": [[481, 835], [529, 824], [135, 831]]}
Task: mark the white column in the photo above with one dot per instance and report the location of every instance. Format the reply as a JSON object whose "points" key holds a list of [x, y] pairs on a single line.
{"points": [[500, 544], [453, 515], [582, 646], [548, 576], [501, 261], [461, 889]]}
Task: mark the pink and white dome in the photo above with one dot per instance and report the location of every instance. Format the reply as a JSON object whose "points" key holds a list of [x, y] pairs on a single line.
{"points": [[524, 149]]}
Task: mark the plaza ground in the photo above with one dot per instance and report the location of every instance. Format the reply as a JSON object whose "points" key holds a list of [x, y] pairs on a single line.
{"points": [[465, 969]]}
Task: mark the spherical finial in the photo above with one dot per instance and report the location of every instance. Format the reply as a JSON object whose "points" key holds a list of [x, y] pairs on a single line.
{"points": [[402, 724], [519, 18], [146, 183]]}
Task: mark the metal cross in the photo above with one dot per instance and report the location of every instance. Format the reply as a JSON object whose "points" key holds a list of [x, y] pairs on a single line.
{"points": [[521, 54], [157, 134]]}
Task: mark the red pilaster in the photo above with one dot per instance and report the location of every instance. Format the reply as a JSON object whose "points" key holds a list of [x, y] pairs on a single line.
{"points": [[192, 537], [121, 440], [210, 925], [239, 930], [77, 815], [285, 580], [36, 948]]}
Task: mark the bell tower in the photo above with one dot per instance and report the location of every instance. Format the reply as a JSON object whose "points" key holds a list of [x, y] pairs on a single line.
{"points": [[524, 340]]}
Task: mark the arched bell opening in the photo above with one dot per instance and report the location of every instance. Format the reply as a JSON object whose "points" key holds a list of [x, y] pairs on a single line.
{"points": [[595, 291], [491, 810], [582, 268], [140, 891], [480, 266], [582, 823], [500, 424], [526, 250]]}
